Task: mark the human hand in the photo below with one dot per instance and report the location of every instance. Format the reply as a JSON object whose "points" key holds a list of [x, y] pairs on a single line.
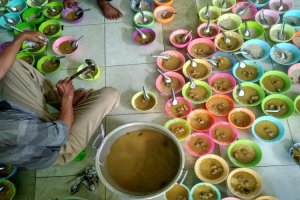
{"points": [[34, 36], [70, 3], [65, 88]]}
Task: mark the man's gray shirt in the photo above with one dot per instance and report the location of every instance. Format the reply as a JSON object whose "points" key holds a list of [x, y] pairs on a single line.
{"points": [[28, 141]]}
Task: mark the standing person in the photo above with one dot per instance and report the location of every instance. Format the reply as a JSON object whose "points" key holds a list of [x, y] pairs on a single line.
{"points": [[31, 136], [109, 11]]}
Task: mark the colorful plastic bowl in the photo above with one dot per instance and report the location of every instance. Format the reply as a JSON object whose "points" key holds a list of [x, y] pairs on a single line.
{"points": [[55, 5], [260, 43], [297, 104], [36, 52], [247, 112], [252, 10], [201, 41], [149, 106], [173, 53], [287, 100], [232, 59], [60, 40], [198, 116], [292, 14], [201, 63], [261, 3], [257, 88], [296, 39], [232, 185], [215, 100], [68, 12], [180, 32], [146, 5], [229, 4], [227, 19], [95, 77], [204, 85], [260, 70], [214, 13], [163, 3], [50, 23], [286, 47], [230, 34], [21, 55], [271, 16], [170, 194], [12, 171], [275, 121], [289, 33], [150, 31], [294, 73], [137, 19], [12, 16], [252, 25], [211, 186], [33, 15], [159, 12], [282, 75], [179, 123], [180, 100], [253, 145], [199, 138], [234, 133], [41, 62], [226, 79], [203, 26], [171, 75], [31, 3], [25, 26], [230, 198], [8, 195], [201, 168], [19, 4], [266, 198], [287, 5]]}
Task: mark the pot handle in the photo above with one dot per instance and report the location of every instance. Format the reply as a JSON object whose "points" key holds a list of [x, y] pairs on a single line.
{"points": [[97, 142], [182, 177]]}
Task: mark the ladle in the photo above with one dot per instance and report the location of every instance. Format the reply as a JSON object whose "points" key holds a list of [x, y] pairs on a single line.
{"points": [[206, 14], [246, 30], [240, 90], [90, 65], [75, 43], [207, 28], [144, 19], [163, 56], [192, 83], [166, 78], [146, 96], [185, 37], [174, 100], [56, 59], [281, 35], [282, 53], [280, 6], [79, 12], [226, 39], [143, 35], [241, 63], [164, 14], [241, 12], [193, 63]]}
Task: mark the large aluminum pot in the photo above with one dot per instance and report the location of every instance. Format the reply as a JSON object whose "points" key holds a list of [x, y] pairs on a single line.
{"points": [[104, 149]]}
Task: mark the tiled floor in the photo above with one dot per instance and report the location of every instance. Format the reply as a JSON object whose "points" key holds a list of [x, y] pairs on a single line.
{"points": [[128, 67]]}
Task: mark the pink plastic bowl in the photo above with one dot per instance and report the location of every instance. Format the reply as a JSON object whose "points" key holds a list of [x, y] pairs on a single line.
{"points": [[201, 41], [67, 10], [268, 13], [222, 75], [200, 111], [223, 123], [173, 53], [203, 25], [180, 31], [201, 136], [273, 5], [243, 4], [179, 99], [58, 41], [171, 75]]}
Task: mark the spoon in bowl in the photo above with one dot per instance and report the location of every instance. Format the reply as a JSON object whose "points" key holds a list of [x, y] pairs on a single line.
{"points": [[281, 34], [240, 90], [206, 14], [146, 96], [242, 11], [241, 63], [9, 20], [163, 56], [164, 14], [143, 35], [174, 100], [224, 4], [79, 12], [207, 28], [282, 53], [144, 19], [166, 78], [246, 30], [192, 83], [226, 39], [193, 62], [75, 43], [185, 37], [280, 6], [262, 19], [244, 52], [273, 111]]}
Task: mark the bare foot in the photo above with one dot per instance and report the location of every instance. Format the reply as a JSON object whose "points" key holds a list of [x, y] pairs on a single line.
{"points": [[109, 11], [80, 96]]}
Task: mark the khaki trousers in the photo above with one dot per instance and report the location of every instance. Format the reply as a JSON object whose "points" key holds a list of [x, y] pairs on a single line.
{"points": [[26, 86]]}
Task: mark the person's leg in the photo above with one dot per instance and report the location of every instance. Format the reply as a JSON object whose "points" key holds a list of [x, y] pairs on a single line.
{"points": [[88, 116], [109, 11]]}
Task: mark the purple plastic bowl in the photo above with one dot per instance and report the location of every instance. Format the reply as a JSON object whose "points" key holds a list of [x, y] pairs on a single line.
{"points": [[67, 10], [144, 30]]}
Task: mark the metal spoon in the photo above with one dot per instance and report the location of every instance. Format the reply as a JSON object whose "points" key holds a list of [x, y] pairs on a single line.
{"points": [[224, 4], [166, 78], [281, 35], [163, 56], [244, 52], [37, 2], [241, 12], [174, 100], [12, 9], [193, 63], [246, 30], [143, 35], [241, 63], [144, 19], [282, 53], [273, 111], [192, 83], [206, 14], [146, 96], [75, 43], [56, 59], [13, 27], [207, 28], [280, 7], [79, 12], [90, 65], [213, 62], [164, 14], [8, 20], [240, 91], [185, 37], [226, 39], [1, 188], [262, 18]]}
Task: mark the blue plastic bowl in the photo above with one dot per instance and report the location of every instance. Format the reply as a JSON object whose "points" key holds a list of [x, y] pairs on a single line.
{"points": [[225, 54], [208, 185], [135, 3], [260, 5], [17, 3], [13, 16], [290, 47], [11, 174], [249, 62], [274, 120], [266, 47], [292, 13]]}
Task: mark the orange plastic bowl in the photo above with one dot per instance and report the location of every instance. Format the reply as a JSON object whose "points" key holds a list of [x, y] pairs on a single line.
{"points": [[164, 2], [158, 12]]}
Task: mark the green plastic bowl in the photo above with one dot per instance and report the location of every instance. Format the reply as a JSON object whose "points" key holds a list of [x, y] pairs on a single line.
{"points": [[212, 9], [200, 83], [25, 26], [256, 148], [41, 62], [53, 4], [284, 76], [89, 79], [218, 4], [26, 16], [138, 17], [186, 126], [11, 186], [252, 24], [51, 22], [20, 55], [256, 87], [295, 103], [288, 29], [284, 98], [229, 16], [40, 51]]}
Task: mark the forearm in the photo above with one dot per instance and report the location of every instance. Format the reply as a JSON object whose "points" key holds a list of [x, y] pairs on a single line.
{"points": [[8, 56], [66, 112]]}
